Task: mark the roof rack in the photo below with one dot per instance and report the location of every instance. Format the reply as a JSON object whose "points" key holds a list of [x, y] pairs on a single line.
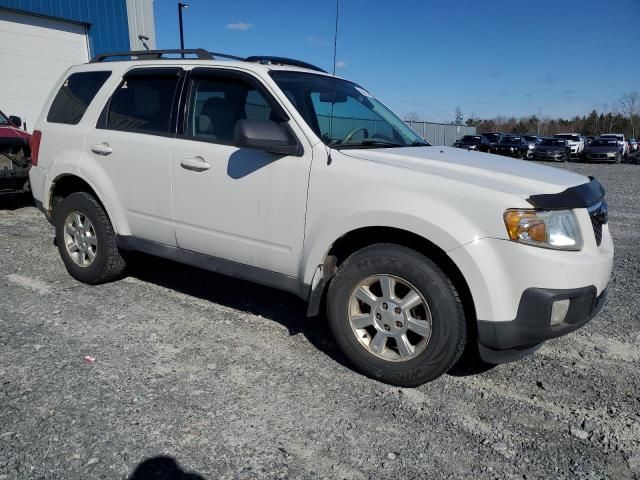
{"points": [[153, 54], [267, 60], [202, 54]]}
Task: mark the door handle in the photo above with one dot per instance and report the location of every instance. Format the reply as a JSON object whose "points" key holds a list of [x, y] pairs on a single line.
{"points": [[101, 149], [195, 164]]}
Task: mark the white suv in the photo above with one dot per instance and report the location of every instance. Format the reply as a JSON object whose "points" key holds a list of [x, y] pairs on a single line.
{"points": [[575, 141], [271, 170]]}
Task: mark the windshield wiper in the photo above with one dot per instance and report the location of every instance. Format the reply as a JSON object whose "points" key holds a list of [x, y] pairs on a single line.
{"points": [[369, 142]]}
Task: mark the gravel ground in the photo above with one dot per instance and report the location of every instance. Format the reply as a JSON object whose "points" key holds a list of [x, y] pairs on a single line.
{"points": [[199, 373]]}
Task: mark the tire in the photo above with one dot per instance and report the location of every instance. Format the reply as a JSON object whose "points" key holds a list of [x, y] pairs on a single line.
{"points": [[432, 356], [107, 263], [619, 158]]}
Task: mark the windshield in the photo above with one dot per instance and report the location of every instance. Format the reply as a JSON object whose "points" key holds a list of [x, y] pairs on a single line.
{"points": [[553, 143], [343, 114], [492, 137], [530, 138], [510, 140], [575, 138], [3, 120], [469, 139], [603, 142]]}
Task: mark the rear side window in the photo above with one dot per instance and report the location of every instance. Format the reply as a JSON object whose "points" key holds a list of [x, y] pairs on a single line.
{"points": [[74, 97], [143, 103]]}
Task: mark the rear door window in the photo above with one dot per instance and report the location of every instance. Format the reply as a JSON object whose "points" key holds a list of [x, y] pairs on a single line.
{"points": [[144, 102], [74, 97]]}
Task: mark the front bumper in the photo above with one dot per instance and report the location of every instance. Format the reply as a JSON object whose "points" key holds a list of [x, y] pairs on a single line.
{"points": [[600, 158], [548, 155], [500, 342]]}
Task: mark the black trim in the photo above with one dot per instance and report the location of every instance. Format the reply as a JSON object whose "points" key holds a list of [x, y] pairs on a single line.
{"points": [[580, 196], [496, 357], [153, 72], [532, 326], [217, 265]]}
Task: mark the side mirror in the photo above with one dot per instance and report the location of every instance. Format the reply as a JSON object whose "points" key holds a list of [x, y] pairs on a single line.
{"points": [[264, 135], [15, 121]]}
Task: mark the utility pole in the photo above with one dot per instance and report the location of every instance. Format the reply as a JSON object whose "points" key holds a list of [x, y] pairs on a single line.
{"points": [[180, 7]]}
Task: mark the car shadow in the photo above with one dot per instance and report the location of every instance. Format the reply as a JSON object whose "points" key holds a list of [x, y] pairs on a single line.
{"points": [[162, 468], [275, 305], [15, 200]]}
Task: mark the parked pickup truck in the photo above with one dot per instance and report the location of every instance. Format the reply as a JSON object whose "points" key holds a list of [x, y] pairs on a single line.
{"points": [[14, 155], [271, 170]]}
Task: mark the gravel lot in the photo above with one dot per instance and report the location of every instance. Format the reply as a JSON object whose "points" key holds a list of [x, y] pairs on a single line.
{"points": [[230, 380]]}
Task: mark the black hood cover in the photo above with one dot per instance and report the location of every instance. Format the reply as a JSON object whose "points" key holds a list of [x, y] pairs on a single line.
{"points": [[580, 196]]}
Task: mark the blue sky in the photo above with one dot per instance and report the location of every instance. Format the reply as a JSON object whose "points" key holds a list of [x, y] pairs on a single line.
{"points": [[543, 57]]}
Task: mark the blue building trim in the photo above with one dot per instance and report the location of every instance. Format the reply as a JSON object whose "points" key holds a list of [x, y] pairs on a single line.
{"points": [[106, 20]]}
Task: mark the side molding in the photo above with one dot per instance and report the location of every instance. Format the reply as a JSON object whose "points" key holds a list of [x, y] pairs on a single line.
{"points": [[217, 265]]}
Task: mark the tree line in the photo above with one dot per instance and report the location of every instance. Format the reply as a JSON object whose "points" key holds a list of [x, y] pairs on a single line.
{"points": [[623, 118]]}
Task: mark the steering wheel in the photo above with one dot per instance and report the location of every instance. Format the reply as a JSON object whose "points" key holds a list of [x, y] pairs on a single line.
{"points": [[353, 132]]}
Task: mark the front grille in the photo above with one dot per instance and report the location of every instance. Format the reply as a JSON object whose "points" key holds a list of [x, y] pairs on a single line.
{"points": [[599, 216], [598, 155]]}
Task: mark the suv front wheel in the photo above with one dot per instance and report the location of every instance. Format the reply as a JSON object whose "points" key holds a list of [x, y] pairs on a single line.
{"points": [[396, 315], [86, 240]]}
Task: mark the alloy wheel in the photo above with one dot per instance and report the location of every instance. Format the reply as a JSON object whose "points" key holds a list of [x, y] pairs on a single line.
{"points": [[80, 239], [390, 318]]}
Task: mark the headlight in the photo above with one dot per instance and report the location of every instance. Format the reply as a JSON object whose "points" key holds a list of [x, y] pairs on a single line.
{"points": [[557, 229]]}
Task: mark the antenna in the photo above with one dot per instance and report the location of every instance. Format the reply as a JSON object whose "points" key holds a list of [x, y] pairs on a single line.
{"points": [[335, 38], [335, 48]]}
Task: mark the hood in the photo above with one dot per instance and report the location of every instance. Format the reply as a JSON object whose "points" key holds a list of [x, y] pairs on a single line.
{"points": [[7, 131], [518, 177]]}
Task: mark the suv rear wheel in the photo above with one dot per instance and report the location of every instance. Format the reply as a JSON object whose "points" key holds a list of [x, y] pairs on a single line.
{"points": [[86, 240], [396, 315]]}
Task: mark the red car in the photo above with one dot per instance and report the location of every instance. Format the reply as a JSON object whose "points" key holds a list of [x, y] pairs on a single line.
{"points": [[15, 155]]}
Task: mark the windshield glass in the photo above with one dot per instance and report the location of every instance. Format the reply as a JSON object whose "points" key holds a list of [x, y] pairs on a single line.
{"points": [[469, 139], [492, 137], [510, 140], [3, 120], [343, 114], [603, 142], [553, 143], [530, 138], [575, 138]]}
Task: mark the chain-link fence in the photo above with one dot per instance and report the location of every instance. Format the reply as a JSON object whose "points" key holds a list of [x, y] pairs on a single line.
{"points": [[440, 133]]}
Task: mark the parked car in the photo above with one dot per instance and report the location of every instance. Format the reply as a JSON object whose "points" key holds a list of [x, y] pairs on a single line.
{"points": [[493, 137], [512, 146], [620, 139], [532, 141], [233, 166], [604, 150], [556, 149], [576, 142], [633, 145], [473, 142], [14, 155]]}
